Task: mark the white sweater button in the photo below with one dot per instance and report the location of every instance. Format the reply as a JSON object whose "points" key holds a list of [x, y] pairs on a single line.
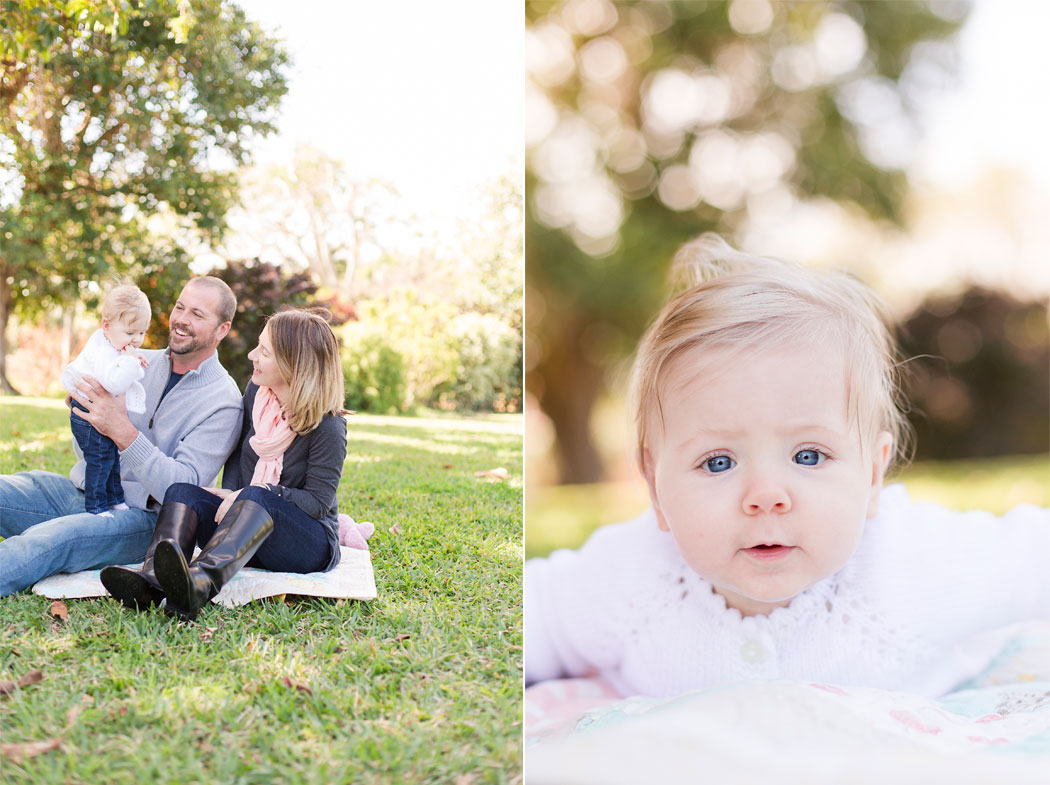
{"points": [[752, 652]]}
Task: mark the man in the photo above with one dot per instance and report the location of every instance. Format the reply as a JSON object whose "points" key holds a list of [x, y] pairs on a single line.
{"points": [[191, 423]]}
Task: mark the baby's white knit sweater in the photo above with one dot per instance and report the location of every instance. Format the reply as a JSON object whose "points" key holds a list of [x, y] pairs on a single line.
{"points": [[901, 614]]}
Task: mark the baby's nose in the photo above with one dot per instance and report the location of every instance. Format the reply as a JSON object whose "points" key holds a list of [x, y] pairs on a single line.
{"points": [[765, 496]]}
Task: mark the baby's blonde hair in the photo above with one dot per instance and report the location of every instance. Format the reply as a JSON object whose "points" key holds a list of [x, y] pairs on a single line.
{"points": [[126, 304], [739, 301]]}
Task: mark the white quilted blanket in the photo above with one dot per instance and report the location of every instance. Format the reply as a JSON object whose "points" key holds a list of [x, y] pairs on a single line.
{"points": [[353, 578]]}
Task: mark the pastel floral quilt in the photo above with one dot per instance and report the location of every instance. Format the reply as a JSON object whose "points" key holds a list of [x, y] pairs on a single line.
{"points": [[993, 729]]}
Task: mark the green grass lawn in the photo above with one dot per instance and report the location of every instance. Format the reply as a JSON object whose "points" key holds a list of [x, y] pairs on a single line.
{"points": [[564, 516], [421, 685]]}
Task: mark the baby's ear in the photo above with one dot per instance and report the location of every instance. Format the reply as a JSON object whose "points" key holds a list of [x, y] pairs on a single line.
{"points": [[645, 464], [881, 452]]}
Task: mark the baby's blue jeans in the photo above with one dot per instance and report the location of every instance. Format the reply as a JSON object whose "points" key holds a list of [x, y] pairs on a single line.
{"points": [[102, 488]]}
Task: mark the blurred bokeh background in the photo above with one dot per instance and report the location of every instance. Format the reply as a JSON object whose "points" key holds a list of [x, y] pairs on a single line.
{"points": [[900, 140]]}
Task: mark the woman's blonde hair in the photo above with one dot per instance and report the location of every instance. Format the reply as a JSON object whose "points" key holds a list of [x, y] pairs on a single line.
{"points": [[307, 355], [739, 301], [126, 303]]}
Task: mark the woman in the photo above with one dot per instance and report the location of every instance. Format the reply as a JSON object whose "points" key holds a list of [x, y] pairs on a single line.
{"points": [[278, 497]]}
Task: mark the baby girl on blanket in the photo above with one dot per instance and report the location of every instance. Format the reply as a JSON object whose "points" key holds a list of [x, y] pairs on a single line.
{"points": [[767, 413]]}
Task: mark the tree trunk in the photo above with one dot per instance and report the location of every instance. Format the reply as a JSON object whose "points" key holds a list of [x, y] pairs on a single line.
{"points": [[68, 314], [571, 387], [346, 288], [321, 261], [5, 312]]}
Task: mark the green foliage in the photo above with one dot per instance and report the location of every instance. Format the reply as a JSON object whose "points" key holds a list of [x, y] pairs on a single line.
{"points": [[374, 372], [162, 282], [261, 289], [112, 112], [488, 357], [406, 352], [604, 215], [414, 332], [421, 685], [35, 28]]}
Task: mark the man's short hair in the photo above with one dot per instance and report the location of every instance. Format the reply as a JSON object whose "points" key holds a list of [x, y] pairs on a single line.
{"points": [[227, 299]]}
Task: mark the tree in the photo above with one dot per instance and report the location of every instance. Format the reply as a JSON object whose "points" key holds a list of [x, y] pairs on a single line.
{"points": [[313, 214], [650, 123], [262, 290], [487, 273], [114, 111]]}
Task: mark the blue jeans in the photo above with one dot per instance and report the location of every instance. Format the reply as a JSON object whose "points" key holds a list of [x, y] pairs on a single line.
{"points": [[42, 516], [102, 488], [296, 544]]}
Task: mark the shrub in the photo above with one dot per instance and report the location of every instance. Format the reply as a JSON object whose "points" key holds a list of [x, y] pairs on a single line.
{"points": [[981, 377], [374, 372], [414, 333], [487, 355], [404, 352]]}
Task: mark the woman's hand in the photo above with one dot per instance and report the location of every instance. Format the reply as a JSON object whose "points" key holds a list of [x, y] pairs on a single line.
{"points": [[231, 497], [222, 493]]}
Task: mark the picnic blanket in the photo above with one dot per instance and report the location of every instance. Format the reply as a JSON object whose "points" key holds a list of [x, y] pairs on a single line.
{"points": [[352, 579], [993, 729]]}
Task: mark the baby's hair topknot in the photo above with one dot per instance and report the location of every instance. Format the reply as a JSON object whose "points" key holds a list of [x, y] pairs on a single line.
{"points": [[727, 299], [126, 303], [708, 257]]}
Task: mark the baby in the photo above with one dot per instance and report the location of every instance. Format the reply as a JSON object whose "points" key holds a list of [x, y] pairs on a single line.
{"points": [[766, 405], [110, 356]]}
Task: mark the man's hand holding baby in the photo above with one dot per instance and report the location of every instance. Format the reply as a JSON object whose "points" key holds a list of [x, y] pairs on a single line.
{"points": [[107, 413]]}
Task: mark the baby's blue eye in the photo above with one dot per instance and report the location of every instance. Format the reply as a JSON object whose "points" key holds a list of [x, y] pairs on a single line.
{"points": [[719, 463], [808, 457]]}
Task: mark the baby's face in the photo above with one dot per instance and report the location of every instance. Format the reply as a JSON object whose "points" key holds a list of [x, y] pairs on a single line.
{"points": [[124, 335], [756, 472]]}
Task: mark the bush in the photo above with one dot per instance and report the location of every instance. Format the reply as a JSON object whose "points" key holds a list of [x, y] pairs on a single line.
{"points": [[414, 333], [374, 372], [405, 353], [981, 377], [488, 351]]}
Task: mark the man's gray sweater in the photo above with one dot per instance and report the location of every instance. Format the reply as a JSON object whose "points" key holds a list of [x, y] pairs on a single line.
{"points": [[184, 438]]}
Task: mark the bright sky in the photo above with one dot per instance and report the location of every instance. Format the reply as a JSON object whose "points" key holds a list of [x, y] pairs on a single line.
{"points": [[1000, 112], [428, 95]]}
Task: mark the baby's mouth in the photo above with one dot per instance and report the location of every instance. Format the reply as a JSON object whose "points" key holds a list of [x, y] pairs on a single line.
{"points": [[769, 551]]}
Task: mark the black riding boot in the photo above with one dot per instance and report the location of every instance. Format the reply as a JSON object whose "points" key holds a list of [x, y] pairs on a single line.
{"points": [[189, 586], [138, 589]]}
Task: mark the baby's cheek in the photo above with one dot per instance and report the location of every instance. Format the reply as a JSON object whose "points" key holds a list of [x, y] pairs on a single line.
{"points": [[843, 542], [697, 547]]}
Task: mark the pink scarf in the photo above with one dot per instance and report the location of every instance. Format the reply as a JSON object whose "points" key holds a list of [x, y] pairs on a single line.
{"points": [[271, 439]]}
